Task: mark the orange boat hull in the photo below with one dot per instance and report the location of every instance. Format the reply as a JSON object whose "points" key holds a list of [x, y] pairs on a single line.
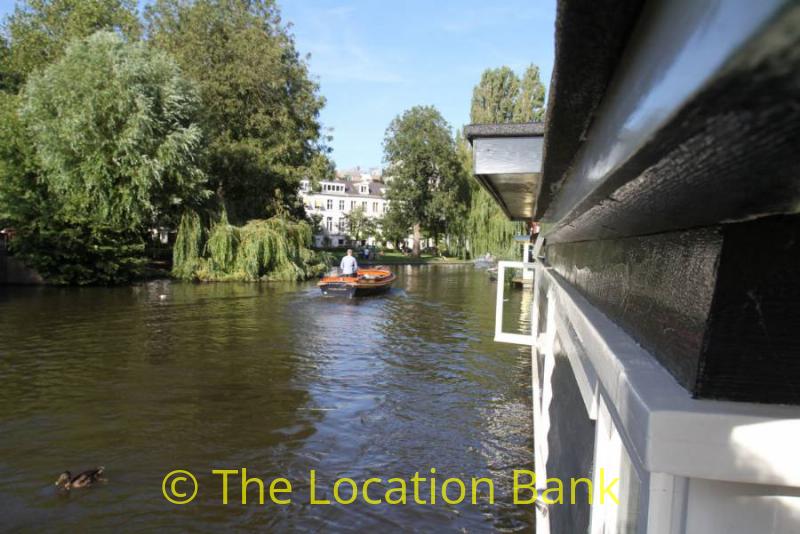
{"points": [[368, 282]]}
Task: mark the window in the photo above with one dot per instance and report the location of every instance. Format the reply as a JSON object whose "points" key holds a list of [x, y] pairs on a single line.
{"points": [[330, 204], [352, 204], [341, 205], [341, 241], [384, 207], [364, 205], [374, 207], [329, 223], [364, 189]]}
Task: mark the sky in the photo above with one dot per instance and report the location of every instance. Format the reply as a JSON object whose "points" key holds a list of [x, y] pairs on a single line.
{"points": [[375, 59]]}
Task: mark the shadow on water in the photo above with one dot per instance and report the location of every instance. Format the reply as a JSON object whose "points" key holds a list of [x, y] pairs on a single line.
{"points": [[271, 377]]}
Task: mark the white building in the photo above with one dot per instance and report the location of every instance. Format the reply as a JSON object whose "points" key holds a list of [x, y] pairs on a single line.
{"points": [[334, 200]]}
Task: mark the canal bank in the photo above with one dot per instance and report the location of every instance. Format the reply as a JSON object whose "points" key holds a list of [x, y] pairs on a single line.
{"points": [[269, 377]]}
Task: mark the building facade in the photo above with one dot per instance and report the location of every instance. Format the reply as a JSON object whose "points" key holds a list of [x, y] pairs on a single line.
{"points": [[334, 200]]}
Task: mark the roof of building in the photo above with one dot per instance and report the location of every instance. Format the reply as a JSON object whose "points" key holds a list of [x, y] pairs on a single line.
{"points": [[353, 188], [474, 131], [507, 161]]}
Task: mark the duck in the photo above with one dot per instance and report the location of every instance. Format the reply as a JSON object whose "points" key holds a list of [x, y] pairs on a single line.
{"points": [[86, 478]]}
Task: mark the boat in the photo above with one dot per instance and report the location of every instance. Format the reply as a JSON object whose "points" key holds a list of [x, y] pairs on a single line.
{"points": [[370, 281]]}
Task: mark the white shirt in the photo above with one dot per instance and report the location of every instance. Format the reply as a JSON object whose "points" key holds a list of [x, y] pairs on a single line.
{"points": [[349, 265]]}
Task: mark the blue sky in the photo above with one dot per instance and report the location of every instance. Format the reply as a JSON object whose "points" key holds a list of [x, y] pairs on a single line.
{"points": [[376, 58]]}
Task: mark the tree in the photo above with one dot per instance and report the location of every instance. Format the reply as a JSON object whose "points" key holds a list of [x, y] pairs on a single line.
{"points": [[8, 79], [260, 106], [263, 249], [40, 30], [494, 99], [428, 184], [314, 220], [100, 147], [500, 97], [394, 227], [359, 225], [529, 105]]}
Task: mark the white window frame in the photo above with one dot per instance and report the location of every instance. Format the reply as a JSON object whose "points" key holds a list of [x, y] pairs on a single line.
{"points": [[499, 335]]}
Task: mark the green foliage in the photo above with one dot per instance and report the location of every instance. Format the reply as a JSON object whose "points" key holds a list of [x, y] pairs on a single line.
{"points": [[188, 246], [260, 107], [314, 220], [429, 186], [489, 230], [99, 148], [223, 240], [21, 194], [263, 249], [9, 81], [113, 133], [501, 97], [359, 225], [40, 30], [494, 98], [529, 105], [394, 226]]}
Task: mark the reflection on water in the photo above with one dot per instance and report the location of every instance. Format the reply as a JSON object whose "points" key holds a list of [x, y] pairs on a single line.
{"points": [[271, 377]]}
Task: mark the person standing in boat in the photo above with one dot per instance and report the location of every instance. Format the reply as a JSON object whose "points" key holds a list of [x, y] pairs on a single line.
{"points": [[349, 265]]}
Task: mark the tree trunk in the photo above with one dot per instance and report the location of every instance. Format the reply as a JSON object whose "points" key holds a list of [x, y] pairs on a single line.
{"points": [[417, 238]]}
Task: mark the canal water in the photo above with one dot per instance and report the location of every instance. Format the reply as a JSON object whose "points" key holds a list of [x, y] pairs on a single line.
{"points": [[270, 377]]}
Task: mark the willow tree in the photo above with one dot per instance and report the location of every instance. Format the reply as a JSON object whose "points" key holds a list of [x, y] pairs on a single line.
{"points": [[277, 248], [101, 147], [40, 30], [499, 97], [428, 185], [260, 106]]}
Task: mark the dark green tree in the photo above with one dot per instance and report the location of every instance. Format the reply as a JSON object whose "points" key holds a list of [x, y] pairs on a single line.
{"points": [[40, 30], [428, 184], [260, 106], [8, 79], [394, 227], [314, 220], [359, 225], [99, 148]]}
